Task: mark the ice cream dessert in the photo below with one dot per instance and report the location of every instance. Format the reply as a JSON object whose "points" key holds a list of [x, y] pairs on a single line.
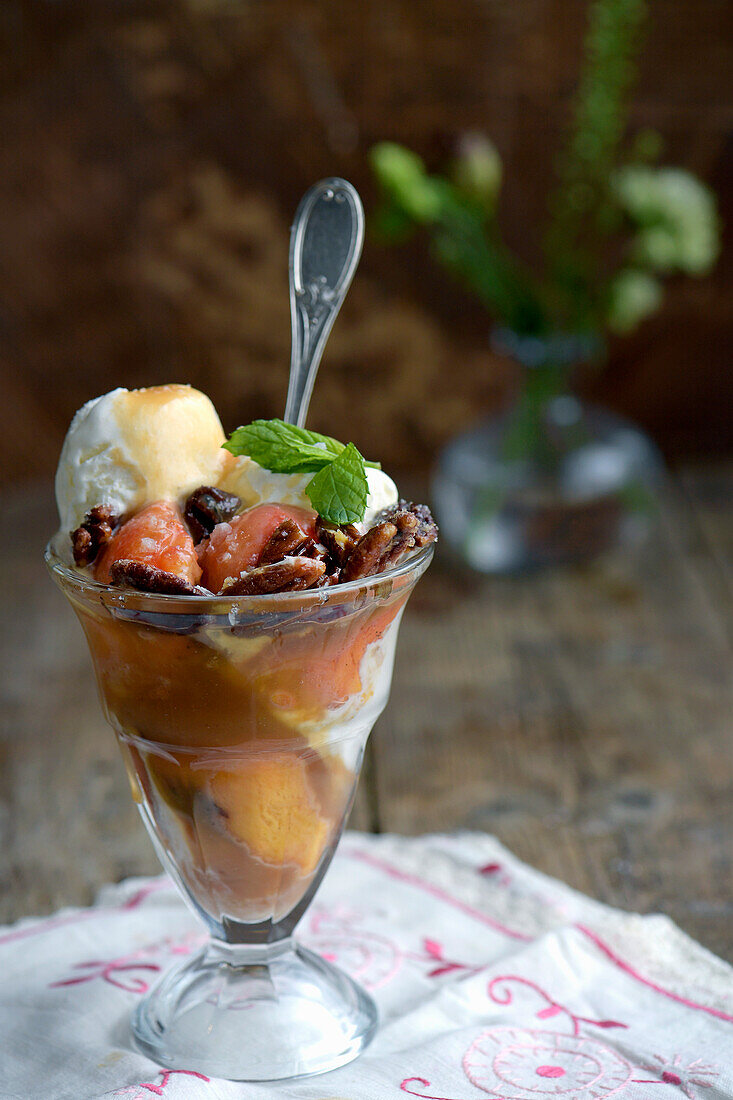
{"points": [[241, 600], [128, 448]]}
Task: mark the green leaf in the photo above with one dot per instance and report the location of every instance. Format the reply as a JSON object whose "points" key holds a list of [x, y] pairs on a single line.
{"points": [[402, 175], [339, 491], [284, 448]]}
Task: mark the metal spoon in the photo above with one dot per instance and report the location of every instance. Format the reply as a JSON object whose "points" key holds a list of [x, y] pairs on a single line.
{"points": [[325, 247]]}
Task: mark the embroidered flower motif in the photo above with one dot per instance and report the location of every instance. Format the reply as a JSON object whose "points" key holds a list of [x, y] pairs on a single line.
{"points": [[145, 1089], [682, 1074], [501, 993], [129, 973], [370, 959], [511, 1063], [433, 953]]}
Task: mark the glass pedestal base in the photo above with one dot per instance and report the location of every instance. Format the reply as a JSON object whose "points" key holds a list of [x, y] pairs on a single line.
{"points": [[255, 1013]]}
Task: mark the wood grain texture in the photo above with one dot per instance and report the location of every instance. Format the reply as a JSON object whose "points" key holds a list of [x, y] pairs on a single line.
{"points": [[583, 716], [708, 493]]}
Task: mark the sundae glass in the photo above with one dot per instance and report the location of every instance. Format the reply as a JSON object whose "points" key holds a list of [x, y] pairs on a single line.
{"points": [[243, 648]]}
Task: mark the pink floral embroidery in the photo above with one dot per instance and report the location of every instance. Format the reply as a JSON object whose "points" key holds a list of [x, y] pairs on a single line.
{"points": [[500, 993], [156, 1088], [424, 1084], [434, 952], [517, 1063], [371, 959], [127, 972], [483, 918], [510, 1063], [681, 1074], [110, 971]]}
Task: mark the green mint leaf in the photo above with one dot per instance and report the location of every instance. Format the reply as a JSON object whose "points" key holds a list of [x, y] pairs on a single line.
{"points": [[339, 491], [284, 448]]}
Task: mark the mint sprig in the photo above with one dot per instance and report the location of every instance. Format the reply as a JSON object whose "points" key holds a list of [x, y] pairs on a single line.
{"points": [[285, 448], [339, 490]]}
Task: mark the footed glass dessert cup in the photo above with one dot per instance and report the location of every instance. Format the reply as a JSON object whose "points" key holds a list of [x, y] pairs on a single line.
{"points": [[242, 723]]}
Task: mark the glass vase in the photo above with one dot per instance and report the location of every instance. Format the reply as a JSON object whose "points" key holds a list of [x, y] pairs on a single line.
{"points": [[242, 723], [550, 479]]}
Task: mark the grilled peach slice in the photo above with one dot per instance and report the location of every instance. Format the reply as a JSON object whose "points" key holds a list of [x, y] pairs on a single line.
{"points": [[236, 546], [155, 536]]}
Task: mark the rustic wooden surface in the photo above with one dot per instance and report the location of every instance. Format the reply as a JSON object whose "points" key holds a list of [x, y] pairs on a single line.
{"points": [[583, 716]]}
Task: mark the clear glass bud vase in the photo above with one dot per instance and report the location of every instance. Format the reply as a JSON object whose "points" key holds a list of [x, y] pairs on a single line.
{"points": [[551, 478]]}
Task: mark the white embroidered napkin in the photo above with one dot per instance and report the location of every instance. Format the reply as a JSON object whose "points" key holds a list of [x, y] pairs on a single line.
{"points": [[491, 980]]}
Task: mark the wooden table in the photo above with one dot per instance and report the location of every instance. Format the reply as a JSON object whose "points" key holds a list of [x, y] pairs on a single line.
{"points": [[582, 716]]}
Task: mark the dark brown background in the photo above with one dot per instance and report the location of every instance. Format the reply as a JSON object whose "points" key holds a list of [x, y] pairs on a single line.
{"points": [[152, 153]]}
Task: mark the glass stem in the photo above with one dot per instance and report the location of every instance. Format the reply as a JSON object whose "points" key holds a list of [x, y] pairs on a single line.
{"points": [[242, 956]]}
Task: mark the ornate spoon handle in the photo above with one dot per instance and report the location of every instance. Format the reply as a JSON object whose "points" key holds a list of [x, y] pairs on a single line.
{"points": [[325, 247]]}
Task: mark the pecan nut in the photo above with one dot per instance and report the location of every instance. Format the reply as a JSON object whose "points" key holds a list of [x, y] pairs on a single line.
{"points": [[424, 529], [289, 575], [146, 578], [207, 506], [286, 541], [329, 579], [366, 557], [83, 546], [338, 541], [94, 534], [402, 528]]}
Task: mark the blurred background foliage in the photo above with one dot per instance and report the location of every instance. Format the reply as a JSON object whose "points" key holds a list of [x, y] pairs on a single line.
{"points": [[616, 221], [153, 153]]}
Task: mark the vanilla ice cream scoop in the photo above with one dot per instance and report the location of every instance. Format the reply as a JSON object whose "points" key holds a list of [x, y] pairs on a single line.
{"points": [[255, 485], [129, 447]]}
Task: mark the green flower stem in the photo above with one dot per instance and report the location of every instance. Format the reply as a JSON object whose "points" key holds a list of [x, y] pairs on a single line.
{"points": [[488, 268], [526, 436], [583, 213]]}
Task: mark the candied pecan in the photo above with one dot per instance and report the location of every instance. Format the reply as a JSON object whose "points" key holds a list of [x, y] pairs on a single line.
{"points": [[338, 541], [404, 541], [313, 549], [402, 528], [83, 546], [366, 557], [328, 579], [289, 575], [146, 578], [424, 530], [286, 541], [207, 506], [94, 533]]}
